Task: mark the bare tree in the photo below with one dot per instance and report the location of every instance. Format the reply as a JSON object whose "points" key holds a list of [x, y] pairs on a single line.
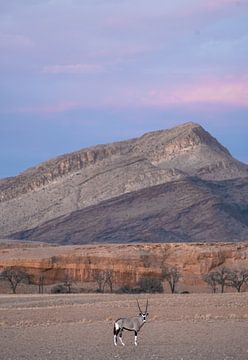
{"points": [[15, 276], [99, 277], [222, 277], [171, 275], [211, 280], [41, 283], [238, 278], [109, 279], [103, 278], [68, 283]]}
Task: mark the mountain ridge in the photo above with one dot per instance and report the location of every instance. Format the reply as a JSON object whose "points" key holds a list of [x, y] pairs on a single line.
{"points": [[100, 173], [72, 162]]}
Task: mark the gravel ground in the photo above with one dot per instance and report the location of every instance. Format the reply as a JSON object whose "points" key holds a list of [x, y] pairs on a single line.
{"points": [[180, 327]]}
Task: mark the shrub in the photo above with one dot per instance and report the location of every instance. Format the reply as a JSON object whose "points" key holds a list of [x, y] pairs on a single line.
{"points": [[59, 289], [126, 289], [150, 285], [99, 291]]}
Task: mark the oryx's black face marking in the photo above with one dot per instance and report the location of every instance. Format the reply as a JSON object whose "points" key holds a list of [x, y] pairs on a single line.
{"points": [[144, 316]]}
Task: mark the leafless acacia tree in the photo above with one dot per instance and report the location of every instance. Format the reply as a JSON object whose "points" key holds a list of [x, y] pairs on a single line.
{"points": [[221, 277], [109, 279], [103, 278], [238, 278], [211, 280], [41, 283], [68, 283], [171, 275], [99, 278], [15, 276]]}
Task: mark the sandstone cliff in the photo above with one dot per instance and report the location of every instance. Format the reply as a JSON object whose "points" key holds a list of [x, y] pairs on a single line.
{"points": [[85, 178], [128, 262]]}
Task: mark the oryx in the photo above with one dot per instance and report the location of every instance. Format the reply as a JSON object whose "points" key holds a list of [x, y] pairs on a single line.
{"points": [[131, 324]]}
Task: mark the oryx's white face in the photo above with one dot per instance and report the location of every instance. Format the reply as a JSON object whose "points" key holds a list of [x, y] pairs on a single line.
{"points": [[144, 316]]}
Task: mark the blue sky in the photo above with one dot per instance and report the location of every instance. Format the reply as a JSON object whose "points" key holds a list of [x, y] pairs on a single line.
{"points": [[77, 73]]}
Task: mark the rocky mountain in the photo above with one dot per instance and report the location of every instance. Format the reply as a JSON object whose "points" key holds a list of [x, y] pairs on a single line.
{"points": [[170, 185]]}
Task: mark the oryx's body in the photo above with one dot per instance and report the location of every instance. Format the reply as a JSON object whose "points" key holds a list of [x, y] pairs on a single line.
{"points": [[131, 324]]}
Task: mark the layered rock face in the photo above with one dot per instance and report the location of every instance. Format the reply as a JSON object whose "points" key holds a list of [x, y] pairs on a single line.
{"points": [[48, 193], [128, 262]]}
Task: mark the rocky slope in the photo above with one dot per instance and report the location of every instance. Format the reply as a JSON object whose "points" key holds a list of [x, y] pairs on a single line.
{"points": [[178, 211], [128, 262], [50, 192]]}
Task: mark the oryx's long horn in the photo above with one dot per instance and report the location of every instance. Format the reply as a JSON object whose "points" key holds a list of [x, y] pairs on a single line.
{"points": [[139, 306], [146, 305]]}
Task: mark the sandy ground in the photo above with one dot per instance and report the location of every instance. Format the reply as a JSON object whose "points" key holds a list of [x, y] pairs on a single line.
{"points": [[182, 327]]}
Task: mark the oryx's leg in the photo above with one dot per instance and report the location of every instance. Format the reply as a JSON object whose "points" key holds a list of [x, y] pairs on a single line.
{"points": [[120, 337], [135, 338], [116, 332]]}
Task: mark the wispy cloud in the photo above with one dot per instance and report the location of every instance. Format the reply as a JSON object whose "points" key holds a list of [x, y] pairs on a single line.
{"points": [[231, 91], [215, 4], [73, 69], [124, 51], [210, 6], [103, 60], [56, 107], [177, 9], [221, 92]]}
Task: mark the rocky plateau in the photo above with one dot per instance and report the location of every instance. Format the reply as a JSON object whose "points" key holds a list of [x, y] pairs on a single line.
{"points": [[127, 262]]}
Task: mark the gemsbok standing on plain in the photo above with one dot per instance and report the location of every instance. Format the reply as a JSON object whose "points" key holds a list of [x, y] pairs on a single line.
{"points": [[131, 324]]}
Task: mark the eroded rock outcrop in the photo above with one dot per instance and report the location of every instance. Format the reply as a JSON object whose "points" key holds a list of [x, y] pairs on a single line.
{"points": [[128, 262]]}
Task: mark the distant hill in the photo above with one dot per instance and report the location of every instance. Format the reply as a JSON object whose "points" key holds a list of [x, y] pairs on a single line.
{"points": [[174, 185]]}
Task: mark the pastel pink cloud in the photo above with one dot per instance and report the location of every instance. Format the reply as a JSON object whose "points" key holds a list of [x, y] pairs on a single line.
{"points": [[218, 91], [228, 92]]}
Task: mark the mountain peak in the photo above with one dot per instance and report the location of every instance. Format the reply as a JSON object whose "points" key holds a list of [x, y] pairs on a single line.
{"points": [[186, 147], [89, 176]]}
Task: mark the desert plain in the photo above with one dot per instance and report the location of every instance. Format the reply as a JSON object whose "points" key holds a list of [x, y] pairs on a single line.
{"points": [[80, 326]]}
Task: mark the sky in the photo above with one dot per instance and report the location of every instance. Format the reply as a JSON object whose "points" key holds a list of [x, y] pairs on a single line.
{"points": [[76, 73]]}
